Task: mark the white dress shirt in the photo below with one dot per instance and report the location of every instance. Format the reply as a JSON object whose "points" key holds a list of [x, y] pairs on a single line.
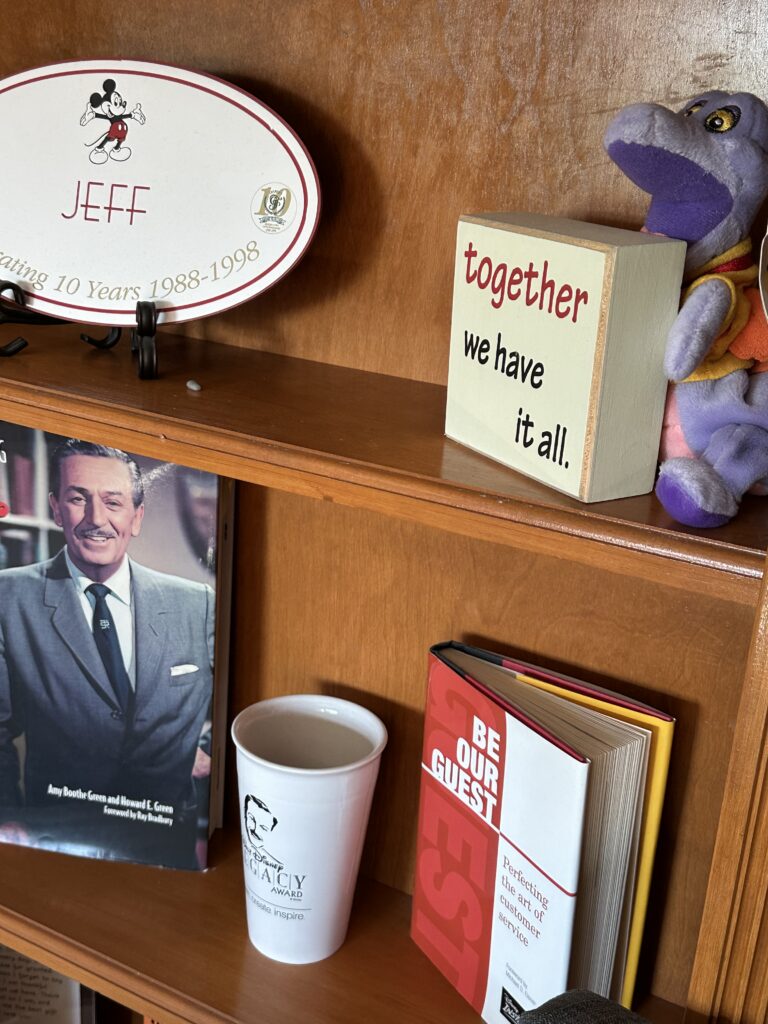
{"points": [[119, 602]]}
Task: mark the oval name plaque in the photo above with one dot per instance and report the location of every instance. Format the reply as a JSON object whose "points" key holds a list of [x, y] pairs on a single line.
{"points": [[127, 181]]}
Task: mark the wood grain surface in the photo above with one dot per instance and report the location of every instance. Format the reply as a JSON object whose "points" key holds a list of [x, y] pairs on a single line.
{"points": [[414, 114], [190, 959], [356, 553]]}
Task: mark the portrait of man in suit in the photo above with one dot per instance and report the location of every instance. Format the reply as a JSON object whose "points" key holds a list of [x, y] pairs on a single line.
{"points": [[260, 822], [105, 667]]}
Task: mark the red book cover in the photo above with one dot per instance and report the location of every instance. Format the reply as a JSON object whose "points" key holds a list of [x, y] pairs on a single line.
{"points": [[498, 850]]}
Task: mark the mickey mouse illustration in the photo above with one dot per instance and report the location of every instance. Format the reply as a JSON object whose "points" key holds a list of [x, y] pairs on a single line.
{"points": [[110, 107]]}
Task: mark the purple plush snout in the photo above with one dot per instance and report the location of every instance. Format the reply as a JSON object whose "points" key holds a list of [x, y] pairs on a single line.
{"points": [[704, 166]]}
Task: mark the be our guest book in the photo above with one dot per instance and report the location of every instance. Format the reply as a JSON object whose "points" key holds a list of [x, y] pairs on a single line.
{"points": [[557, 345]]}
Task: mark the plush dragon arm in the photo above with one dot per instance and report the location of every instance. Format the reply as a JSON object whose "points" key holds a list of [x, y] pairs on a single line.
{"points": [[698, 324]]}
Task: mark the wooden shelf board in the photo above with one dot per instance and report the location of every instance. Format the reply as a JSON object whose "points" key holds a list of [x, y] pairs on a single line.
{"points": [[359, 438], [659, 1011], [174, 944]]}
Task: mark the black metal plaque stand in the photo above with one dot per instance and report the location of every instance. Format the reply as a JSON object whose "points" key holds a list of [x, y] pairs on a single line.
{"points": [[143, 335]]}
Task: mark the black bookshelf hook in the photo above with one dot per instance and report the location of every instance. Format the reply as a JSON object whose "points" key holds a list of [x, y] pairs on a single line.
{"points": [[144, 339], [111, 339], [10, 348], [143, 335], [16, 313]]}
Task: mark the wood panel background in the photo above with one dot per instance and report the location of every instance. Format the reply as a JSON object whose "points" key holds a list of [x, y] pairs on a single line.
{"points": [[347, 602], [416, 112]]}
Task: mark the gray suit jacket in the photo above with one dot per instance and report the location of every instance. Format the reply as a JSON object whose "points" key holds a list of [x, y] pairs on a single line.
{"points": [[54, 690]]}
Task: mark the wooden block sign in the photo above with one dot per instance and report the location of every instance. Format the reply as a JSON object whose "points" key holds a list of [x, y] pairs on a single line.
{"points": [[557, 347]]}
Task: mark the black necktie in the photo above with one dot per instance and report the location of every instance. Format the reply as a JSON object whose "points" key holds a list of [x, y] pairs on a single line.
{"points": [[105, 635]]}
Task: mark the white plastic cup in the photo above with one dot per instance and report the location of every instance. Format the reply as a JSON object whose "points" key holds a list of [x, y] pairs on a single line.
{"points": [[306, 770]]}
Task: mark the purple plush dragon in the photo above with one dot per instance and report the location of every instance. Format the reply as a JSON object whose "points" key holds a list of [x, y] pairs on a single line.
{"points": [[706, 170]]}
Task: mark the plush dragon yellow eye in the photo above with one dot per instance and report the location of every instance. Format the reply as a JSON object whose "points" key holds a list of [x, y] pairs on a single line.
{"points": [[694, 107], [722, 119]]}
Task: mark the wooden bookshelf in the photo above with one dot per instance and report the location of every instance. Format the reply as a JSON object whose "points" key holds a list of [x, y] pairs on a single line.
{"points": [[88, 920], [361, 439], [673, 615], [174, 945], [363, 535]]}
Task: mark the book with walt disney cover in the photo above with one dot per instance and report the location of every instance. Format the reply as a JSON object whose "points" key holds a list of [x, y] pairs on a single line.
{"points": [[114, 605]]}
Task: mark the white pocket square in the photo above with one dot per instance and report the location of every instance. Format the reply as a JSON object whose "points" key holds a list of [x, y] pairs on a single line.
{"points": [[182, 670]]}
